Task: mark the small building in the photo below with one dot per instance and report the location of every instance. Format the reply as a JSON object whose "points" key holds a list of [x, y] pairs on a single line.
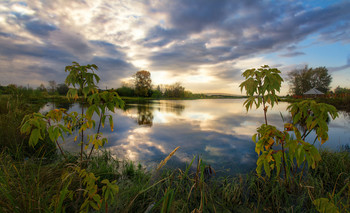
{"points": [[313, 93]]}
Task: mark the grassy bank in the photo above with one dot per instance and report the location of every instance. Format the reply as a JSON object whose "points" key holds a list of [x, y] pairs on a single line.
{"points": [[13, 108], [31, 186]]}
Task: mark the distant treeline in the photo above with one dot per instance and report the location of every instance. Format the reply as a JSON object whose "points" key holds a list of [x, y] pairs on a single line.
{"points": [[161, 91], [141, 86], [54, 89]]}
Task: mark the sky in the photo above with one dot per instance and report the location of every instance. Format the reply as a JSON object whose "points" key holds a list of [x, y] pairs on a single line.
{"points": [[203, 44]]}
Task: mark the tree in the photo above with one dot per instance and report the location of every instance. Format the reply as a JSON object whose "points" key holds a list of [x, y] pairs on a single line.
{"points": [[261, 86], [341, 90], [52, 86], [285, 149], [143, 83], [126, 91], [175, 91], [62, 89], [302, 80], [41, 88], [58, 122]]}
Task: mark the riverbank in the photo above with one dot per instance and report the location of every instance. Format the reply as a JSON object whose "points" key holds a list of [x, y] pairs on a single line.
{"points": [[33, 184]]}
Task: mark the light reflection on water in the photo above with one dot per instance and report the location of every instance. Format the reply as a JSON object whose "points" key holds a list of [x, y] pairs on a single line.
{"points": [[219, 130]]}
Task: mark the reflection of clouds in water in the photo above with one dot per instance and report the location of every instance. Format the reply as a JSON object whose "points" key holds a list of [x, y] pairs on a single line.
{"points": [[218, 130], [218, 149], [214, 151]]}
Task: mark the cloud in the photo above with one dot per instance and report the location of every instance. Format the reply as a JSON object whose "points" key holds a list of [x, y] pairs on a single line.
{"points": [[39, 28], [245, 30], [177, 37], [292, 54], [340, 68]]}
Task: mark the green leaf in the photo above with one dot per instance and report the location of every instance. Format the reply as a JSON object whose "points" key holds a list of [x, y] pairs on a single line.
{"points": [[34, 137], [267, 167], [93, 205], [278, 161], [259, 166], [323, 205], [90, 111], [254, 138]]}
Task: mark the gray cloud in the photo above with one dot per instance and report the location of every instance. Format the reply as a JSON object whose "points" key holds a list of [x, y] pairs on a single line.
{"points": [[49, 52], [335, 69], [292, 54], [179, 36], [39, 28], [246, 29]]}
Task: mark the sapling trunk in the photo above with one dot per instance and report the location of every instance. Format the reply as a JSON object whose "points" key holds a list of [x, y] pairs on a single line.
{"points": [[82, 131], [265, 110], [58, 145], [98, 131]]}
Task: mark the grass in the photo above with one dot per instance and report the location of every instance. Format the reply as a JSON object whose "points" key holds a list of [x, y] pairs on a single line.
{"points": [[29, 186], [13, 108]]}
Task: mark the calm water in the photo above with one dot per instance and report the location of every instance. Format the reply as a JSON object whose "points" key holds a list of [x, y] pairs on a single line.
{"points": [[219, 130]]}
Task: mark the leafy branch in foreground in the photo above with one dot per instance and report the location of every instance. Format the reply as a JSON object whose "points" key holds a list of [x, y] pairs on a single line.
{"points": [[57, 123], [261, 86], [279, 148]]}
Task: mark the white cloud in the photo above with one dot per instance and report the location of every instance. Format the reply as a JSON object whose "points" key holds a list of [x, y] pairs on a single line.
{"points": [[204, 45]]}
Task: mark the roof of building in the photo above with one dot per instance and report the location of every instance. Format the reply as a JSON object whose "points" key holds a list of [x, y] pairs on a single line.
{"points": [[313, 91]]}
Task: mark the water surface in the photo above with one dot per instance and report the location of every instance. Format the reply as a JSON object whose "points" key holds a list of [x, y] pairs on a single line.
{"points": [[219, 130]]}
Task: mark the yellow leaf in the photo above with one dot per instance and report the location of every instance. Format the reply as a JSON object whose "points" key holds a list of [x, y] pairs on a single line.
{"points": [[288, 127], [75, 138]]}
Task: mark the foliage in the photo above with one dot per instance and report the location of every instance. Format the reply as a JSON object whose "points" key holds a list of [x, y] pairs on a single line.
{"points": [[302, 80], [341, 90], [309, 116], [175, 91], [156, 94], [91, 197], [32, 186], [62, 89], [37, 125], [52, 86], [143, 83], [42, 88], [82, 78], [294, 153], [57, 123], [126, 91], [13, 108], [261, 86]]}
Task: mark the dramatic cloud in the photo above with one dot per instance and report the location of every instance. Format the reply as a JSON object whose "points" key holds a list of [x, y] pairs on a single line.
{"points": [[203, 44]]}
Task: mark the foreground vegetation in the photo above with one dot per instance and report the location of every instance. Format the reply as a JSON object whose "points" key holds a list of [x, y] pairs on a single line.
{"points": [[33, 186], [34, 177]]}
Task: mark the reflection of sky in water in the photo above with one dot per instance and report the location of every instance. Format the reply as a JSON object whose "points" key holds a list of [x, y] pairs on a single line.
{"points": [[218, 130]]}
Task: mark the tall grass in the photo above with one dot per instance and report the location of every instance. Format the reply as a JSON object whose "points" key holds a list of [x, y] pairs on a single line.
{"points": [[26, 186], [29, 186]]}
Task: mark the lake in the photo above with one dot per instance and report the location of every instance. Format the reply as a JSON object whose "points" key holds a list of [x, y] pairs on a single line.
{"points": [[219, 130]]}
